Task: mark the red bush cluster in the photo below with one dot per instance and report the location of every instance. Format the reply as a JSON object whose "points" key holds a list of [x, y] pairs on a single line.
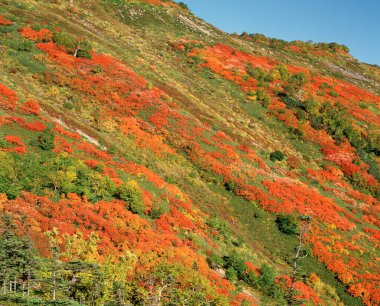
{"points": [[30, 107], [304, 292], [62, 145], [91, 150], [8, 98], [296, 197], [4, 21], [18, 147], [41, 35]]}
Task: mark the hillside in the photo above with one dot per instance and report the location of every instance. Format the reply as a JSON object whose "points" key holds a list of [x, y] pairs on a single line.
{"points": [[149, 158]]}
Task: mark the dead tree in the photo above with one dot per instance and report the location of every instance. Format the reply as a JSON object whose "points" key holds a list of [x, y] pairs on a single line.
{"points": [[300, 254]]}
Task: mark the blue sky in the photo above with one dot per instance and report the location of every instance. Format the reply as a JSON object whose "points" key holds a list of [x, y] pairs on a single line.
{"points": [[354, 23]]}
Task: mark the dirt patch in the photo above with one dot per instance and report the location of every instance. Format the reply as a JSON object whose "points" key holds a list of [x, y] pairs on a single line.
{"points": [[195, 26]]}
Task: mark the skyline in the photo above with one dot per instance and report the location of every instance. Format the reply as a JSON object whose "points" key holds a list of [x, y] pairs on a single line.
{"points": [[352, 23]]}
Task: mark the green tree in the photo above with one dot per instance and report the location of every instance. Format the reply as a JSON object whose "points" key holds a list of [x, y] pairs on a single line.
{"points": [[131, 193], [295, 84], [230, 186], [276, 155], [55, 266], [236, 261], [64, 180], [287, 224], [8, 176], [266, 281], [15, 256], [77, 47], [284, 72], [46, 140], [231, 274], [183, 5], [101, 186]]}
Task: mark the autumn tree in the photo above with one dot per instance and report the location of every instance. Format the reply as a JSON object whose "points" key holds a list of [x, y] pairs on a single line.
{"points": [[130, 192], [283, 71]]}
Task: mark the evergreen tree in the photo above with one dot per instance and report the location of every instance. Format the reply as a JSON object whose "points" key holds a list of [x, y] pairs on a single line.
{"points": [[15, 257]]}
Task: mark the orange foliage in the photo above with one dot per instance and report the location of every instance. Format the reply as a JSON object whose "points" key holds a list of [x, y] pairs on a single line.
{"points": [[369, 294], [242, 297], [8, 98], [91, 150], [62, 145], [295, 49], [252, 268], [118, 229], [123, 95], [30, 107], [375, 233], [349, 96], [92, 163], [362, 197], [221, 57], [14, 139], [4, 21], [338, 254], [37, 126], [304, 292], [57, 53], [159, 118], [19, 146], [41, 35], [300, 198], [59, 129]]}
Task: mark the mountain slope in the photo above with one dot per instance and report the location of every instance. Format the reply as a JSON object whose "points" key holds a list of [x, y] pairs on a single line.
{"points": [[149, 158]]}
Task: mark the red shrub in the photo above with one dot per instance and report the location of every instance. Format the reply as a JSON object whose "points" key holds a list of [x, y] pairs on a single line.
{"points": [[8, 98], [37, 126], [19, 146], [304, 291], [30, 107], [14, 139], [307, 201], [93, 151], [92, 163], [41, 35], [4, 21], [62, 145], [59, 129]]}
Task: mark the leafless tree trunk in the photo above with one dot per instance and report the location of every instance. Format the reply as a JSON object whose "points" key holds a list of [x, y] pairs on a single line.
{"points": [[299, 255], [28, 288], [54, 284], [76, 52]]}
